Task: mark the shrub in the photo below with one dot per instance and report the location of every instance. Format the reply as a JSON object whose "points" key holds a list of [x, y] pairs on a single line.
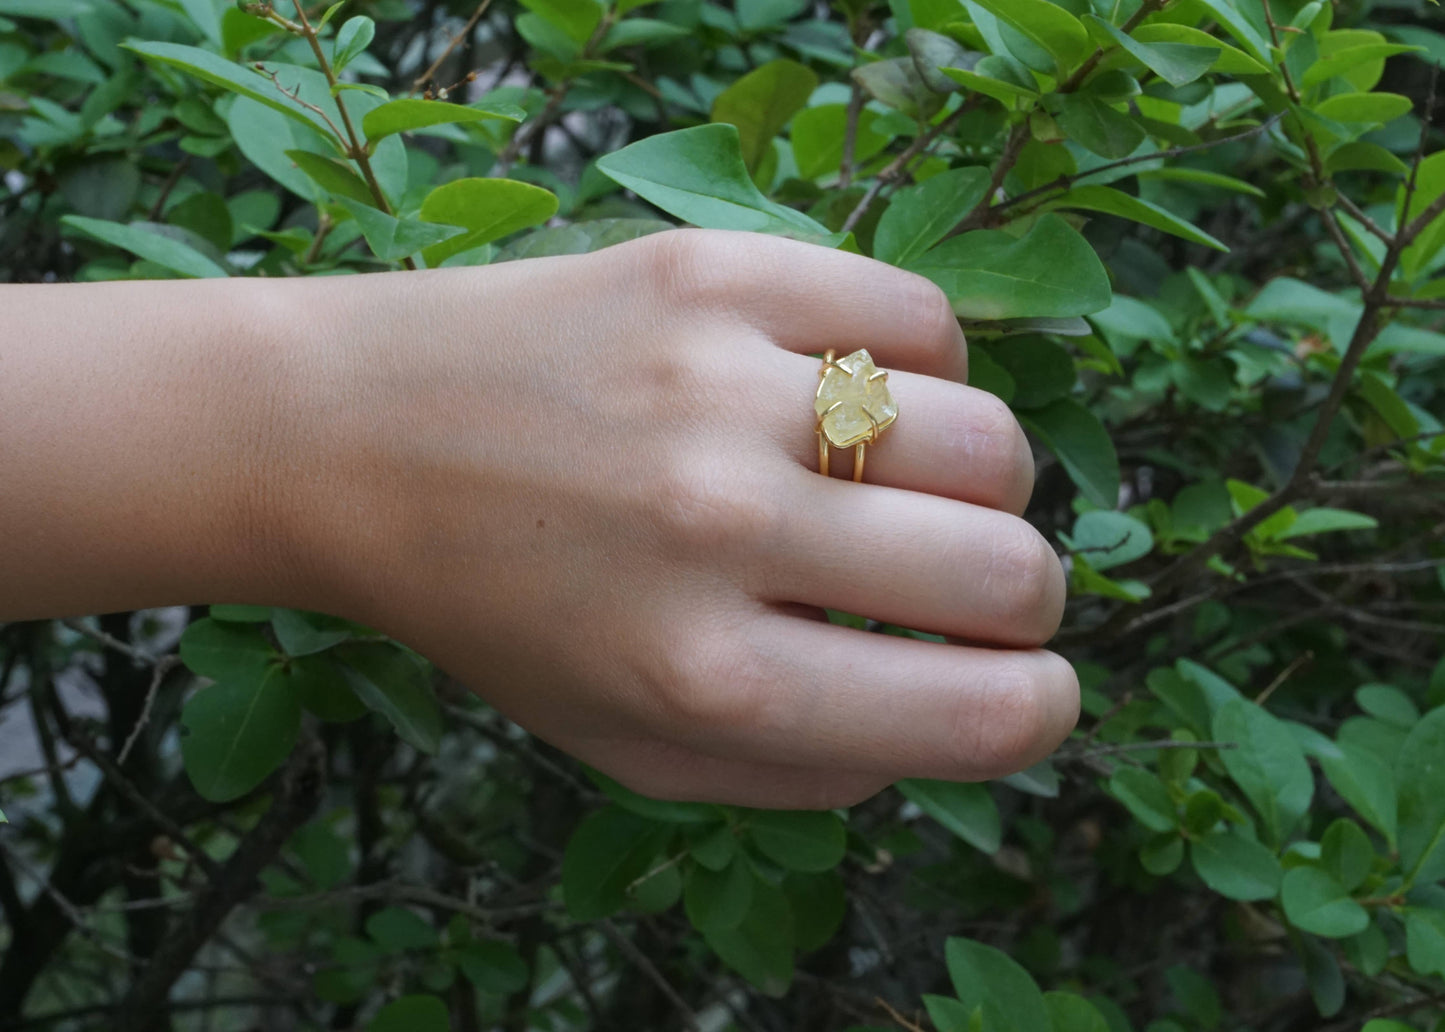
{"points": [[1196, 245]]}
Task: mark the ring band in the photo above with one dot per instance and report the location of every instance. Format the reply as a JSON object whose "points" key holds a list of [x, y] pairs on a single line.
{"points": [[853, 406]]}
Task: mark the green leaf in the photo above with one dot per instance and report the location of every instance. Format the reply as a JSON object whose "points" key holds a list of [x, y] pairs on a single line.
{"points": [[799, 840], [1366, 784], [237, 732], [818, 135], [241, 614], [609, 851], [392, 239], [760, 948], [1322, 971], [1162, 854], [1268, 766], [1338, 62], [217, 71], [1005, 84], [1317, 903], [1048, 25], [334, 176], [718, 899], [488, 209], [321, 684], [352, 39], [1098, 127], [919, 216], [1083, 447], [1196, 995], [988, 978], [988, 274], [226, 651], [1176, 63], [698, 176], [1115, 202], [1110, 538], [818, 904], [1324, 521], [153, 246], [967, 810], [50, 10], [949, 1015], [407, 114], [302, 633], [1235, 866], [760, 104], [415, 1013], [1370, 108], [1420, 781], [1240, 28], [397, 929], [493, 967], [1388, 703], [641, 32], [1071, 1013], [393, 683], [1145, 797], [578, 19], [1346, 853], [1425, 940]]}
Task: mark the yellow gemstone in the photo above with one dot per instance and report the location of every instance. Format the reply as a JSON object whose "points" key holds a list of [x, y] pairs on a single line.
{"points": [[853, 400]]}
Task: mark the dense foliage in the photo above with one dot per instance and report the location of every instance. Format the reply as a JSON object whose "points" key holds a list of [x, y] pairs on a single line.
{"points": [[1196, 244]]}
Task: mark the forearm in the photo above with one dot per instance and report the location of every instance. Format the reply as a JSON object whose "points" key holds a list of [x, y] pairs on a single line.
{"points": [[136, 421]]}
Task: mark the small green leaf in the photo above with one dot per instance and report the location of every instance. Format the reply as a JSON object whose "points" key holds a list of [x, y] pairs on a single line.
{"points": [[151, 244], [392, 239], [409, 114], [761, 102], [1317, 903], [1176, 63], [1235, 866], [237, 732], [1099, 127], [352, 39], [1364, 782], [818, 904], [395, 684], [1048, 25], [967, 810], [1145, 796], [1110, 538], [988, 274], [415, 1013], [698, 176], [919, 216], [988, 978], [1071, 1013], [610, 850], [493, 967], [301, 633], [1324, 521], [1083, 447], [1268, 765], [226, 651], [1420, 780], [1425, 940], [760, 948], [718, 899], [334, 176], [1346, 853], [799, 840], [1115, 202], [397, 929], [488, 209], [1369, 108], [662, 810]]}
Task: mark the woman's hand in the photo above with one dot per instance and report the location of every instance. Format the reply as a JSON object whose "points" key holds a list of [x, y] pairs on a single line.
{"points": [[586, 487]]}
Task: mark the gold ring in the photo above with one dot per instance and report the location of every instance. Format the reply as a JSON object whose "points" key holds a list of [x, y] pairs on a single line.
{"points": [[853, 405]]}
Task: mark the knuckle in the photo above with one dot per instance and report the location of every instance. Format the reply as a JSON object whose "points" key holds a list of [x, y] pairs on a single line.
{"points": [[998, 452], [1025, 580], [706, 510], [936, 326], [692, 268], [1000, 731], [710, 680]]}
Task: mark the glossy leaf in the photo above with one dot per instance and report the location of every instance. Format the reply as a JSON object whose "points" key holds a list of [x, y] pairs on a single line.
{"points": [[488, 209], [761, 103], [1083, 447], [919, 216], [967, 810], [409, 114], [394, 684], [237, 732]]}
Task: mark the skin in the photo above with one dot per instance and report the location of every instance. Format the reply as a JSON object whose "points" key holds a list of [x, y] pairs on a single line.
{"points": [[585, 486]]}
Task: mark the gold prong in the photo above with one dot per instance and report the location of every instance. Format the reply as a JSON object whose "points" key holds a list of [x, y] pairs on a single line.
{"points": [[822, 453], [882, 374], [858, 454]]}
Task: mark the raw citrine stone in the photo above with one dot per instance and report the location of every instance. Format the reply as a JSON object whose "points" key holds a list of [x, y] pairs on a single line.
{"points": [[853, 398]]}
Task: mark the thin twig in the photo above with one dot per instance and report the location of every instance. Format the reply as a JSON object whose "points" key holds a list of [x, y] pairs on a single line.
{"points": [[629, 949], [432, 69]]}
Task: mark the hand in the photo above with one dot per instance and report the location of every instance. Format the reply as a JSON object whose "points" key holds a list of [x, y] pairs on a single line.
{"points": [[586, 487]]}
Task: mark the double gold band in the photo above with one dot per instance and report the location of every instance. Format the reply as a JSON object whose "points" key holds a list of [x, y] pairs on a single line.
{"points": [[853, 406]]}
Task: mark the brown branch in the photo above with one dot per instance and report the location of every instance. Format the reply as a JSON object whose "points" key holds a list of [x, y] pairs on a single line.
{"points": [[894, 169], [850, 136], [298, 793], [629, 949]]}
